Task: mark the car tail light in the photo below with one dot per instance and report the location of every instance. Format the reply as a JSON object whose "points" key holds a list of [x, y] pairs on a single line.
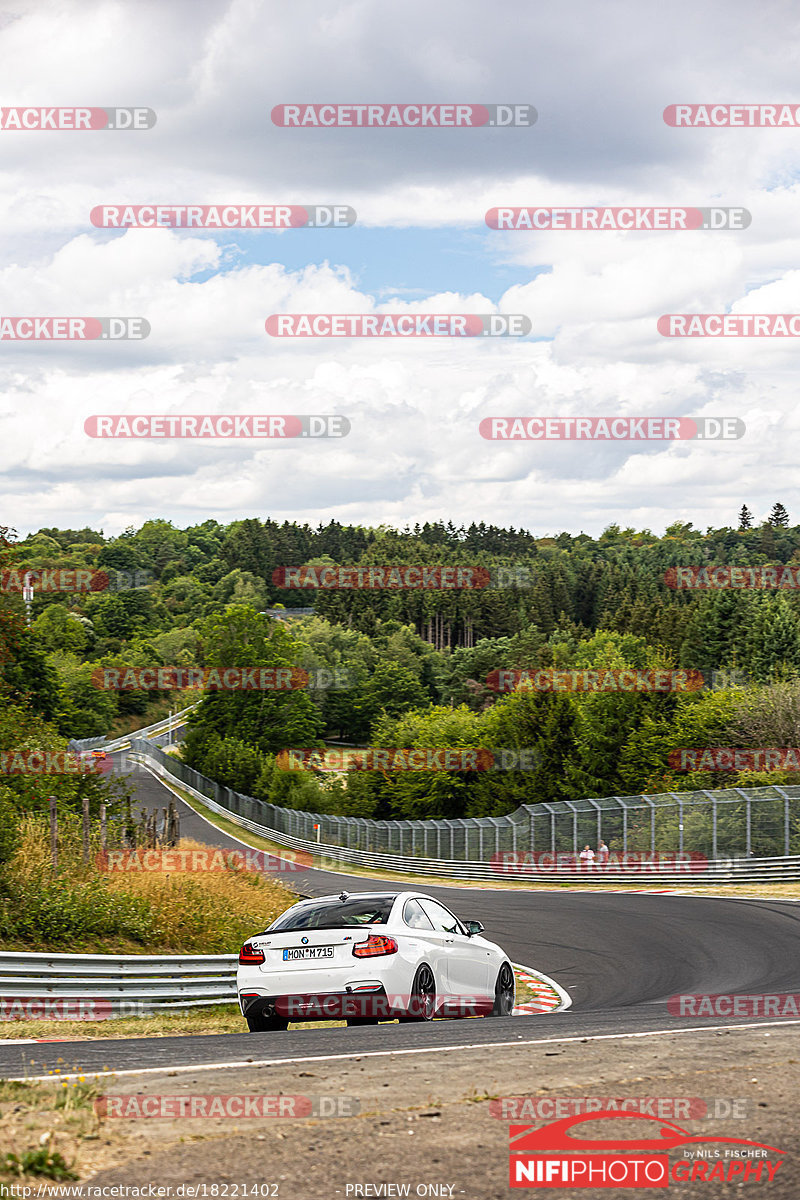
{"points": [[375, 944], [248, 954]]}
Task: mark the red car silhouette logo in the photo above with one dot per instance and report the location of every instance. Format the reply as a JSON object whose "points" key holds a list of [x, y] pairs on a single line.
{"points": [[555, 1136]]}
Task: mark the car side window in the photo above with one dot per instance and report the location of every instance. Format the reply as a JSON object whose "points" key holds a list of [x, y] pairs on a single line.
{"points": [[442, 920], [414, 916]]}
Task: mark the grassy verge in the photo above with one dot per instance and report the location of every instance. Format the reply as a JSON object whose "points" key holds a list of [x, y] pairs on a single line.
{"points": [[226, 825], [47, 1128], [89, 910]]}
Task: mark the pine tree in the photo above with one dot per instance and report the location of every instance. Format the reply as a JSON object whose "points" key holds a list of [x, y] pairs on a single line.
{"points": [[779, 517], [745, 518]]}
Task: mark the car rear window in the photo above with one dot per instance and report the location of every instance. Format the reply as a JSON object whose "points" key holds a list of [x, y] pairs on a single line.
{"points": [[336, 914]]}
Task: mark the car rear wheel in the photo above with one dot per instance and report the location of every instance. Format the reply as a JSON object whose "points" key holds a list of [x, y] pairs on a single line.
{"points": [[504, 993], [264, 1024], [422, 1002]]}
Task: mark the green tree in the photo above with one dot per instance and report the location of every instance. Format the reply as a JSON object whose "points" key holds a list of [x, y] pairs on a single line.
{"points": [[779, 517], [59, 629], [270, 720]]}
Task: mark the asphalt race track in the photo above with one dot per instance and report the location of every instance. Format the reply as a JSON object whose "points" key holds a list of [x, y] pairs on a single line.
{"points": [[619, 955]]}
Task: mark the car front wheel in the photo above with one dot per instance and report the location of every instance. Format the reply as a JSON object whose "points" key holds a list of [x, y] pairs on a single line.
{"points": [[504, 993]]}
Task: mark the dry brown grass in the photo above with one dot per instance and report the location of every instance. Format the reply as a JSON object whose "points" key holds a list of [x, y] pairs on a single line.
{"points": [[207, 911]]}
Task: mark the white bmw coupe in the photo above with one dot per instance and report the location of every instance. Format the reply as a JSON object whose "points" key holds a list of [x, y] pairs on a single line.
{"points": [[366, 957]]}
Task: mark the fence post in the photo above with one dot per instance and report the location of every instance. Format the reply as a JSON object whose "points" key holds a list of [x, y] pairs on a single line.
{"points": [[748, 827], [103, 832], [53, 835], [85, 805], [574, 811], [786, 825], [714, 854], [619, 800]]}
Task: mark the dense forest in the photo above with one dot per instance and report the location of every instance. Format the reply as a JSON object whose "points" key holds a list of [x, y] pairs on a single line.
{"points": [[419, 663]]}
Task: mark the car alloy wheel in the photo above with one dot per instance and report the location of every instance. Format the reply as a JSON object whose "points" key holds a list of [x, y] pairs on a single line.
{"points": [[422, 1003], [504, 992]]}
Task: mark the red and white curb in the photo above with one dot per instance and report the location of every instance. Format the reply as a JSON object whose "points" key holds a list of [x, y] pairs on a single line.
{"points": [[548, 996]]}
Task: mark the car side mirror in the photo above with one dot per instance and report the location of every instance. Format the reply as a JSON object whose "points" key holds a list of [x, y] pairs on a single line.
{"points": [[473, 928]]}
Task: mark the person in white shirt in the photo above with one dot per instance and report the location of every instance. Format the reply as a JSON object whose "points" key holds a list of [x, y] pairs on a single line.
{"points": [[586, 856]]}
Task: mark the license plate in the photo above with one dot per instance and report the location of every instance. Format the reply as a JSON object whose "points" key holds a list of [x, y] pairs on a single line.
{"points": [[295, 952]]}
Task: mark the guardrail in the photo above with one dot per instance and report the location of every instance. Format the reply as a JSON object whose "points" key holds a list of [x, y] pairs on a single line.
{"points": [[500, 869], [115, 984], [122, 743]]}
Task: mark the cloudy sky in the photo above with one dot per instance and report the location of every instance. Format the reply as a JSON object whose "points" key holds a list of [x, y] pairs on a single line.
{"points": [[599, 77]]}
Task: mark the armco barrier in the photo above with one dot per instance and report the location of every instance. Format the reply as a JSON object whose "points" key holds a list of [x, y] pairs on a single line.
{"points": [[34, 985], [495, 867], [121, 743], [123, 983]]}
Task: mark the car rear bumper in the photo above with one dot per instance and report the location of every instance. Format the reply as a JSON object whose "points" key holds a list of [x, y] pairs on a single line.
{"points": [[372, 1004]]}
